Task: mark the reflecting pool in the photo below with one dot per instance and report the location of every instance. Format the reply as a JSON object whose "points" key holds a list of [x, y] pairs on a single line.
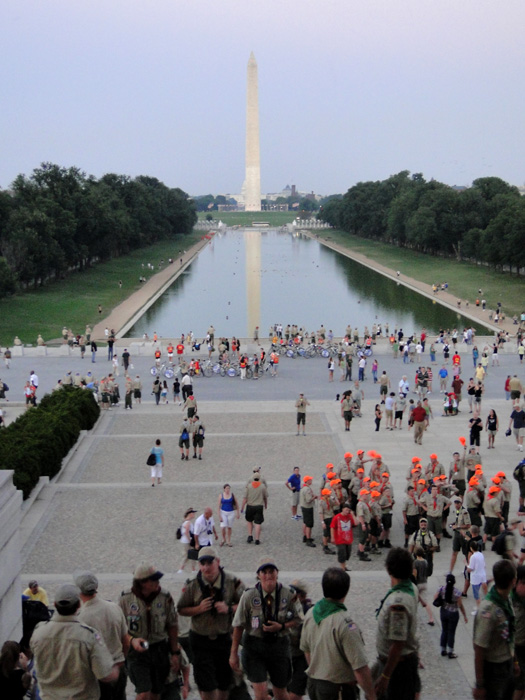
{"points": [[247, 278]]}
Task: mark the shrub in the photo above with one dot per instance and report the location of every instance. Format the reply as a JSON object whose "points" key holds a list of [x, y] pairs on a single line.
{"points": [[37, 442]]}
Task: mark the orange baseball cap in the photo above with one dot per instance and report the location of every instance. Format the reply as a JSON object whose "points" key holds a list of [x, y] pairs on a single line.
{"points": [[378, 457], [330, 475], [360, 452], [473, 481], [326, 492], [367, 478], [348, 454], [494, 489], [385, 474], [364, 492], [501, 475], [375, 494], [496, 480], [360, 470], [373, 484], [329, 466], [415, 459], [421, 481], [334, 482], [307, 478]]}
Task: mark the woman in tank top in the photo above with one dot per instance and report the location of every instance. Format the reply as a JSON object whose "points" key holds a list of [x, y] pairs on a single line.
{"points": [[228, 510]]}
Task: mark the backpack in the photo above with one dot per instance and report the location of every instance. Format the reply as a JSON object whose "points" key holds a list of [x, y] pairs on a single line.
{"points": [[178, 533], [152, 460], [518, 471], [498, 545], [184, 435], [201, 431]]}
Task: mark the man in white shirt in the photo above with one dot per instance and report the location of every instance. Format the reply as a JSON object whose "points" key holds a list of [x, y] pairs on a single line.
{"points": [[478, 573], [204, 529]]}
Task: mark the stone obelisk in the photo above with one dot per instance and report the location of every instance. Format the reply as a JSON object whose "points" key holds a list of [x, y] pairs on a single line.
{"points": [[252, 183]]}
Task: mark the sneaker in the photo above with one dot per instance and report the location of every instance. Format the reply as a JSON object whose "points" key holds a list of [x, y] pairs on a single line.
{"points": [[200, 456], [180, 571], [250, 539], [257, 542], [327, 550], [309, 543], [186, 458], [364, 557], [194, 457], [474, 612]]}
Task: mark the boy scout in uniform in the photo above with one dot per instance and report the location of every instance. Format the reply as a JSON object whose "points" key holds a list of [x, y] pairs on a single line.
{"points": [[334, 646], [364, 516], [210, 600], [460, 527], [151, 617], [345, 471], [70, 657], [397, 647], [433, 504], [306, 501], [494, 633], [456, 473], [263, 616]]}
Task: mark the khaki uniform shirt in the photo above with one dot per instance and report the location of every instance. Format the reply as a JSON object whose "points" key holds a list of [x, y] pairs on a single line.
{"points": [[345, 471], [462, 521], [256, 496], [109, 620], [423, 539], [433, 470], [492, 507], [441, 502], [363, 511], [347, 405], [336, 647], [326, 509], [162, 616], [457, 470], [70, 657], [472, 499], [397, 622], [491, 632], [409, 507], [210, 623], [306, 497], [250, 611]]}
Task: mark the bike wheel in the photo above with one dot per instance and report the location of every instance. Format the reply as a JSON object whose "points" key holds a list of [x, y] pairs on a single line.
{"points": [[232, 372], [302, 352], [311, 352], [154, 371], [207, 372], [325, 353], [216, 369], [168, 373], [290, 353], [368, 352], [249, 373]]}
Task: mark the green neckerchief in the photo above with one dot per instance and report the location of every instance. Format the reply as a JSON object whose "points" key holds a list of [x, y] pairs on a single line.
{"points": [[405, 586], [506, 606], [324, 608]]}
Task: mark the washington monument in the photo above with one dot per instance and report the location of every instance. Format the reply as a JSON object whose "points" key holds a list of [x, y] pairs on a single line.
{"points": [[252, 182]]}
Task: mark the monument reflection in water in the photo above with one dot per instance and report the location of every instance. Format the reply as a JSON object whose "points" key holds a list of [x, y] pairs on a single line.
{"points": [[248, 278]]}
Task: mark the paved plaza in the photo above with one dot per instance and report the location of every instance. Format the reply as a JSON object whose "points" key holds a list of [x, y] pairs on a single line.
{"points": [[101, 512]]}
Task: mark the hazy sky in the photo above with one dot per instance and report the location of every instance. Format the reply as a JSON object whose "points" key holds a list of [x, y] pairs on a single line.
{"points": [[349, 90]]}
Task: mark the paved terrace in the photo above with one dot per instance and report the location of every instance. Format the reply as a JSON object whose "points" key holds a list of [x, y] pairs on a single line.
{"points": [[101, 512]]}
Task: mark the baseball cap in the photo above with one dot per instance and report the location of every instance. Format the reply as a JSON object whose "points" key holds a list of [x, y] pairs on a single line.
{"points": [[326, 492], [146, 571], [376, 494], [421, 481], [360, 452], [299, 585], [207, 553], [360, 470], [415, 459], [307, 478], [364, 492], [348, 454], [330, 475], [458, 499], [335, 482], [189, 510], [266, 563], [494, 489], [86, 582], [501, 475], [329, 466], [433, 456], [67, 594], [423, 520]]}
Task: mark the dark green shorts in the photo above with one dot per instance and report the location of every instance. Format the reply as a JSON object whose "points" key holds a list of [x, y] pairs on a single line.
{"points": [[261, 659], [149, 669]]}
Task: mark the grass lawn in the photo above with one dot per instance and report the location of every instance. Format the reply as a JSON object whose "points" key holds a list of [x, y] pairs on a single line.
{"points": [[245, 218], [464, 279], [73, 302]]}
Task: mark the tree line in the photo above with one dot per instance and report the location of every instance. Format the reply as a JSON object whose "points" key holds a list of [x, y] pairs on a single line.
{"points": [[483, 223], [59, 220]]}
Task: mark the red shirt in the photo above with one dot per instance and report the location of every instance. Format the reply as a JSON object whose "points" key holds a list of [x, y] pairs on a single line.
{"points": [[419, 414], [341, 528]]}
